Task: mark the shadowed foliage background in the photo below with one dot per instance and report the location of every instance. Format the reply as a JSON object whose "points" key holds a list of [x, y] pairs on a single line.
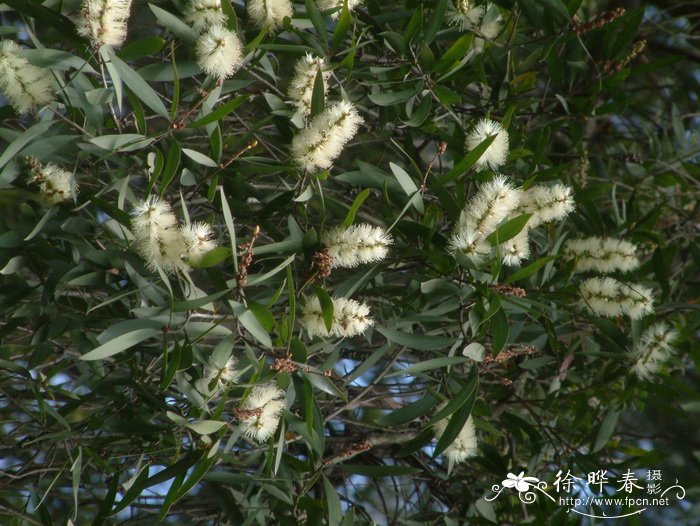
{"points": [[601, 100]]}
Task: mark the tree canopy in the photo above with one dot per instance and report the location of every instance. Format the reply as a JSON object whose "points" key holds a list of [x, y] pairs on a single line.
{"points": [[343, 262]]}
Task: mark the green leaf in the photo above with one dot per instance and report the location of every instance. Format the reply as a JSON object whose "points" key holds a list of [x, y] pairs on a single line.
{"points": [[456, 52], [205, 427], [408, 413], [416, 341], [141, 48], [356, 204], [528, 271], [499, 330], [140, 87], [172, 163], [200, 158], [220, 112], [22, 140], [456, 423], [429, 365], [509, 229], [251, 323], [213, 257], [316, 19], [326, 306], [343, 25], [120, 344], [435, 22], [408, 186], [335, 511], [126, 142], [390, 98], [176, 26], [458, 400], [318, 96], [607, 428], [467, 161]]}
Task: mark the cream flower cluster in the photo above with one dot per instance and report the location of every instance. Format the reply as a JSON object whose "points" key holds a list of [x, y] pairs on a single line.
{"points": [[269, 13], [350, 318], [357, 244], [219, 52], [546, 204], [497, 152], [203, 14], [221, 376], [265, 403], [321, 142], [611, 298], [104, 21], [55, 183], [337, 5], [464, 14], [24, 85], [464, 445], [301, 88], [163, 243], [493, 203], [653, 350], [497, 201], [604, 255]]}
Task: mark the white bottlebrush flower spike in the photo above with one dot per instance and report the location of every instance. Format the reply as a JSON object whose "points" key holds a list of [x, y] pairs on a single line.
{"points": [[301, 88], [316, 146], [104, 21], [355, 245], [198, 238], [464, 446], [516, 249], [261, 412], [610, 298], [349, 318], [158, 237], [25, 86], [269, 13], [493, 203], [497, 152], [602, 254], [464, 14], [489, 28], [221, 375], [56, 184], [219, 52], [653, 350], [203, 14], [327, 5], [546, 203]]}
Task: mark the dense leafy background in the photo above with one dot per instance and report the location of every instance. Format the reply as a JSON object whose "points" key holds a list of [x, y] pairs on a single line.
{"points": [[92, 440]]}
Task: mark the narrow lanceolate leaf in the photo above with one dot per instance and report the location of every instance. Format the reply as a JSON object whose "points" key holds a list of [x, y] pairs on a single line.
{"points": [[356, 204], [509, 229], [220, 112], [326, 306], [140, 87], [408, 413], [416, 341], [456, 423], [467, 161], [120, 344], [607, 428], [528, 271], [318, 96]]}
